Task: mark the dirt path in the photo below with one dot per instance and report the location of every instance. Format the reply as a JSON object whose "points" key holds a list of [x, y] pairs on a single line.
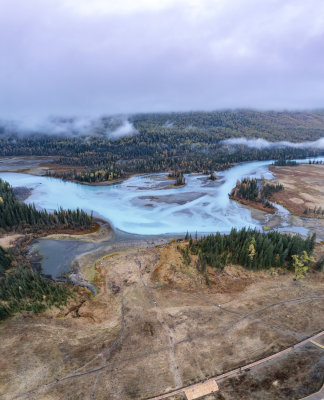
{"points": [[142, 337], [250, 315], [97, 371], [165, 326], [246, 367], [106, 354]]}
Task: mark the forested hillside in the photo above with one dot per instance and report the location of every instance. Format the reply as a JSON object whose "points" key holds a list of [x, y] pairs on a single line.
{"points": [[270, 125], [294, 126], [188, 142]]}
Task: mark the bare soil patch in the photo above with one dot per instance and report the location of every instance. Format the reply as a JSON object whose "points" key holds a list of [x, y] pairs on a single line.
{"points": [[9, 240], [99, 232]]}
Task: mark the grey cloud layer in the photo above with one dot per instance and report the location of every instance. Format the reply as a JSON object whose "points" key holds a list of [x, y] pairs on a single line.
{"points": [[64, 57]]}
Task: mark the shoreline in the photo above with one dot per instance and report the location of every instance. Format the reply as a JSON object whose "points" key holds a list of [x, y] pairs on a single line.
{"points": [[253, 204], [39, 168], [109, 240]]}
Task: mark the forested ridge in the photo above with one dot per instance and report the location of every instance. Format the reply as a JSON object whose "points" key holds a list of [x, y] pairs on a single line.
{"points": [[269, 125], [23, 217], [189, 142], [248, 247]]}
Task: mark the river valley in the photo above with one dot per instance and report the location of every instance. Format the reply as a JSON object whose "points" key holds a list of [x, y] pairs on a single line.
{"points": [[145, 210]]}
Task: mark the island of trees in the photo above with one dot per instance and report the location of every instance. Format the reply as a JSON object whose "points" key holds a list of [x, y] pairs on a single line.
{"points": [[178, 176], [285, 163], [254, 191]]}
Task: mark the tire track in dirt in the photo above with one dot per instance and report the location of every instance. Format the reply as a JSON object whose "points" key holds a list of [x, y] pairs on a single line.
{"points": [[247, 316], [141, 356], [165, 348], [108, 352], [165, 326]]}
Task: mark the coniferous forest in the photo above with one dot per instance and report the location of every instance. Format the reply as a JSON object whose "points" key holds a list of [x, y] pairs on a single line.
{"points": [[255, 191], [21, 288], [248, 247], [188, 142], [23, 217], [285, 163]]}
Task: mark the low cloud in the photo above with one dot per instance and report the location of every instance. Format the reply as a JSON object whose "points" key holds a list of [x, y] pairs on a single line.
{"points": [[265, 144], [112, 126], [125, 129]]}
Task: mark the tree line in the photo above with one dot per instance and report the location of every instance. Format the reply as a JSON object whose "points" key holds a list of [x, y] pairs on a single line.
{"points": [[25, 217], [285, 163], [250, 248], [316, 211], [102, 174]]}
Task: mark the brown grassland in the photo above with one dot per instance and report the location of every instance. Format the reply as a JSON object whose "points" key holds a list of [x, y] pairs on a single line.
{"points": [[156, 325], [303, 187]]}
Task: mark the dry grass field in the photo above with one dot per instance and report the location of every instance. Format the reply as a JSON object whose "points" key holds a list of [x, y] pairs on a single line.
{"points": [[155, 325], [303, 187]]}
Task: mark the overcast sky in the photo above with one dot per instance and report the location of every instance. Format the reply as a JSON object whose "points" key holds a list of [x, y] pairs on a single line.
{"points": [[88, 57]]}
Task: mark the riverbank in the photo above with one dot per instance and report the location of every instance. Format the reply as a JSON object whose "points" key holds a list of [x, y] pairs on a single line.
{"points": [[73, 256], [10, 239], [40, 166], [254, 204], [34, 165]]}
